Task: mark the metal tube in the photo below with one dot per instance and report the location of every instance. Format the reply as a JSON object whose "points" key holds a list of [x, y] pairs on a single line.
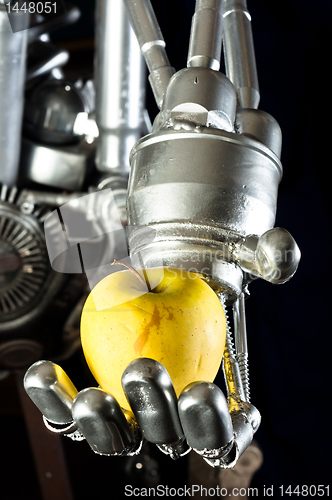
{"points": [[120, 87], [239, 53], [152, 44], [206, 35], [13, 50]]}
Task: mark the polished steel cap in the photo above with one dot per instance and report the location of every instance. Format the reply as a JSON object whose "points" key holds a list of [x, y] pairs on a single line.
{"points": [[103, 423], [202, 407], [51, 390], [152, 397], [203, 96]]}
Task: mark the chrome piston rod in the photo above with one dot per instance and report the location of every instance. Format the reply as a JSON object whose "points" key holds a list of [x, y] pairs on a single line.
{"points": [[206, 35], [152, 44], [239, 53], [120, 87]]}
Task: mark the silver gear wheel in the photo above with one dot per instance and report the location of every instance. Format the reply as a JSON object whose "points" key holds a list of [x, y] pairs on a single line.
{"points": [[24, 264]]}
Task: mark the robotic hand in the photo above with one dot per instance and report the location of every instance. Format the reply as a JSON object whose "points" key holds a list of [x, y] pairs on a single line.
{"points": [[205, 181], [174, 426]]}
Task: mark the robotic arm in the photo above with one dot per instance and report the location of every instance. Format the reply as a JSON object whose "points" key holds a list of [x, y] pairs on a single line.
{"points": [[205, 180]]}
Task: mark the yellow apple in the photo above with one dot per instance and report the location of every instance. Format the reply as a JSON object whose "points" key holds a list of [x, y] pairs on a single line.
{"points": [[180, 323]]}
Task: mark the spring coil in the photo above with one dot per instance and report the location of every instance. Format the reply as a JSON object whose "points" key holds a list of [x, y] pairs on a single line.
{"points": [[229, 347], [242, 359], [230, 351], [241, 345], [233, 399]]}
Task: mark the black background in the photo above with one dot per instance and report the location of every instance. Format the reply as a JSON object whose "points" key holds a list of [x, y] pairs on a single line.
{"points": [[288, 326]]}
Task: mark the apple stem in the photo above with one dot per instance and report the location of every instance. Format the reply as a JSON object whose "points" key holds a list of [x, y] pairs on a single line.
{"points": [[147, 280], [133, 270]]}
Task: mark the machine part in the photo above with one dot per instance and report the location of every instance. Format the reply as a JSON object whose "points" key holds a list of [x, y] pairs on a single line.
{"points": [[274, 256], [245, 423], [233, 379], [240, 335], [194, 154], [239, 53], [261, 126], [13, 50], [245, 418], [120, 88], [25, 271], [200, 94], [202, 407], [194, 247], [51, 110], [58, 167], [217, 169], [56, 152], [187, 100], [206, 35], [107, 429], [152, 45], [30, 289], [69, 430], [151, 395], [51, 390], [229, 192], [230, 366]]}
